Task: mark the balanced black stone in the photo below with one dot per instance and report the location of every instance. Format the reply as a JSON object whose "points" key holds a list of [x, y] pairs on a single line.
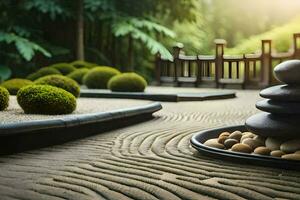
{"points": [[282, 93], [281, 116], [278, 107]]}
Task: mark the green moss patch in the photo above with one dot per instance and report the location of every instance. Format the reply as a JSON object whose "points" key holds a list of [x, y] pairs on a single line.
{"points": [[43, 72], [78, 75], [4, 98], [127, 82], [13, 85], [98, 77], [46, 99]]}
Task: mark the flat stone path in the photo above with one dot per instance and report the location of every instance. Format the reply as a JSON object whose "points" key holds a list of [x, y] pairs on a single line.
{"points": [[151, 160]]}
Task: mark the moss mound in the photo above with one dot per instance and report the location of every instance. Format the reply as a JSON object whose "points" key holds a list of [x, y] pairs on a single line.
{"points": [[83, 64], [60, 81], [43, 72], [4, 98], [13, 85], [127, 82], [78, 75], [98, 77], [64, 68], [46, 99]]}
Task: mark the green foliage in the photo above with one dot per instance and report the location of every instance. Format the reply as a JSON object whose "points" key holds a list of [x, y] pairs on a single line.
{"points": [[4, 98], [25, 47], [14, 85], [98, 77], [127, 82], [60, 81], [138, 29], [46, 99], [78, 75], [64, 68], [5, 73], [83, 64], [42, 72], [281, 36]]}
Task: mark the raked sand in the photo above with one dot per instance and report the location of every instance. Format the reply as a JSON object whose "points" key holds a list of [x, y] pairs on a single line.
{"points": [[150, 160]]}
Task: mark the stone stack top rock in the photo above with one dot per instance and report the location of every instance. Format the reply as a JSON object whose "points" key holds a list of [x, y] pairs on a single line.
{"points": [[288, 72], [281, 116]]}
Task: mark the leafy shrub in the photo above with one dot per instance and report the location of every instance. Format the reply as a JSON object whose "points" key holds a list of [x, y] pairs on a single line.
{"points": [[46, 99], [4, 98], [13, 85], [60, 81], [78, 75], [64, 68], [127, 82], [42, 72], [98, 77], [83, 64]]}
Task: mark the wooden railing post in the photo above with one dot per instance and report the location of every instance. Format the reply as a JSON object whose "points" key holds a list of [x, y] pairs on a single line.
{"points": [[220, 44], [266, 63], [158, 68], [176, 52], [296, 45]]}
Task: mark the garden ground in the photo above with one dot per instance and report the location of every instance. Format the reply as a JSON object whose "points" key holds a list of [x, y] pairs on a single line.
{"points": [[151, 160]]}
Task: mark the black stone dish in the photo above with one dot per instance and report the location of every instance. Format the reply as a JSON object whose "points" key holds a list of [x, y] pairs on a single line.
{"points": [[242, 158]]}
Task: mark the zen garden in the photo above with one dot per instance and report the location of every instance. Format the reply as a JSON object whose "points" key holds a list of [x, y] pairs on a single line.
{"points": [[149, 99]]}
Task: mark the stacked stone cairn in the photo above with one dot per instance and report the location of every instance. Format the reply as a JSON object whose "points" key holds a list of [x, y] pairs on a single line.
{"points": [[276, 130]]}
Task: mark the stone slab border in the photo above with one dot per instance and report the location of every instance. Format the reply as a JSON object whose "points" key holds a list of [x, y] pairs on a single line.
{"points": [[20, 136], [158, 96], [242, 158]]}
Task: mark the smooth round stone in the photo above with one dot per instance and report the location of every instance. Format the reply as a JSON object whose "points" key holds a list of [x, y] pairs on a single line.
{"points": [[290, 146], [292, 156], [282, 93], [222, 139], [288, 72], [274, 143], [230, 142], [247, 135], [252, 143], [262, 151], [214, 143], [236, 135], [224, 134], [277, 153], [268, 125], [279, 107], [243, 148]]}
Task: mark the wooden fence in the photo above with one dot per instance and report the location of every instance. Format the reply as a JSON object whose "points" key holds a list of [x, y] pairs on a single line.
{"points": [[247, 70]]}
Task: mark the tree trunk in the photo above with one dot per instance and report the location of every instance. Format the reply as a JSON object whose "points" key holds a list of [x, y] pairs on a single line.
{"points": [[130, 54], [80, 31]]}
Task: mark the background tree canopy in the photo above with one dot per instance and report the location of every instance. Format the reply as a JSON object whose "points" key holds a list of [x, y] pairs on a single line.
{"points": [[128, 33]]}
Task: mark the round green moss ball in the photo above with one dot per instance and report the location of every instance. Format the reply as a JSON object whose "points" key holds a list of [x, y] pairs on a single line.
{"points": [[64, 68], [43, 72], [98, 77], [60, 81], [13, 85], [127, 82], [4, 98], [46, 99], [83, 64], [78, 75]]}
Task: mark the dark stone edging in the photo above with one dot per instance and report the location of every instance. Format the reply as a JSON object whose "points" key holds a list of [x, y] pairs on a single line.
{"points": [[158, 97], [20, 136], [242, 158]]}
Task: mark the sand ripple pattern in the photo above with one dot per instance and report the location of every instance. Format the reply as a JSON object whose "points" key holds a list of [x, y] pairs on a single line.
{"points": [[151, 160]]}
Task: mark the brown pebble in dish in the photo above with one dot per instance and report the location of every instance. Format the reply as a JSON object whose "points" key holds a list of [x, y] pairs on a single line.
{"points": [[253, 143], [214, 143], [262, 151], [243, 148], [236, 135], [292, 156], [230, 142], [277, 153]]}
